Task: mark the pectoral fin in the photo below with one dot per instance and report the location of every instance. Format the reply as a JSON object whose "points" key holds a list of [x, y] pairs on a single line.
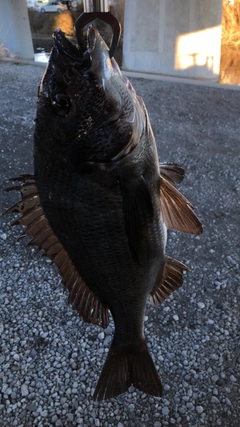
{"points": [[33, 218], [172, 172], [177, 211], [137, 209], [172, 279]]}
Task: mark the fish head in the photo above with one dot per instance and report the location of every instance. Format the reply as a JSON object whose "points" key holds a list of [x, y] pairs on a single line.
{"points": [[87, 111]]}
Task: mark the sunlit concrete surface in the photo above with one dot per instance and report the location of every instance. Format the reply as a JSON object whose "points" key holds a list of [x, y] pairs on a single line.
{"points": [[172, 37], [15, 33], [197, 52]]}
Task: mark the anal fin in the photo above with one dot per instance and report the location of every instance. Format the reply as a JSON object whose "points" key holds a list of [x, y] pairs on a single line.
{"points": [[33, 218], [172, 279], [177, 211]]}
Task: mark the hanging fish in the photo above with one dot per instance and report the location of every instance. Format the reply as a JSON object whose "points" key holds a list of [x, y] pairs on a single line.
{"points": [[99, 205]]}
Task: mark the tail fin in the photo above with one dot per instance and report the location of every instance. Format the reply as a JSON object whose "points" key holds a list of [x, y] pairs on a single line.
{"points": [[126, 365]]}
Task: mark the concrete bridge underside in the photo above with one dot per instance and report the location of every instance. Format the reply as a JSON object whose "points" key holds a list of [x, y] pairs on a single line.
{"points": [[171, 37]]}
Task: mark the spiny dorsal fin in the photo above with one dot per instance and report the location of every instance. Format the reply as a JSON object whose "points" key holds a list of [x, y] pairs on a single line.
{"points": [[177, 211], [172, 279], [33, 218], [172, 172]]}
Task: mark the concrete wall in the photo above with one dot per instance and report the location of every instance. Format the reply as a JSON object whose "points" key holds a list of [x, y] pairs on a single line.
{"points": [[15, 33], [173, 37]]}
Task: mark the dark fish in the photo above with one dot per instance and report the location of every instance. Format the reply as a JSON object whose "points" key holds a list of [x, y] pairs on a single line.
{"points": [[99, 205]]}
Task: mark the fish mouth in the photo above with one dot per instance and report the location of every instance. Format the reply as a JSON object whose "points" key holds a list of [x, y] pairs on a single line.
{"points": [[97, 51]]}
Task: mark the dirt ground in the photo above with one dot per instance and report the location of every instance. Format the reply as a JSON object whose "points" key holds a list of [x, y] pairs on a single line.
{"points": [[198, 127]]}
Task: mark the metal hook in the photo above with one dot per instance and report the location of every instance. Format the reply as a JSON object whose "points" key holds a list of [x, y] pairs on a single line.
{"points": [[97, 9]]}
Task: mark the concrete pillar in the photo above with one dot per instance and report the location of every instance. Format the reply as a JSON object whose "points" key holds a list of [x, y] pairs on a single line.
{"points": [[15, 33], [173, 37]]}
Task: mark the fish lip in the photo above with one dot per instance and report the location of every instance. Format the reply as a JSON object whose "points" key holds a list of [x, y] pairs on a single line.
{"points": [[76, 54], [64, 46]]}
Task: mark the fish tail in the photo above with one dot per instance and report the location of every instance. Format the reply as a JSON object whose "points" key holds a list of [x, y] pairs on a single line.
{"points": [[126, 365]]}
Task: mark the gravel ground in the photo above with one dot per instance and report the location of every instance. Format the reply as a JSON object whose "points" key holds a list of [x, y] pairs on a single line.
{"points": [[50, 360]]}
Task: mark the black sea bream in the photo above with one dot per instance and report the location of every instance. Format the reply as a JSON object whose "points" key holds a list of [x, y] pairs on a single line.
{"points": [[100, 205]]}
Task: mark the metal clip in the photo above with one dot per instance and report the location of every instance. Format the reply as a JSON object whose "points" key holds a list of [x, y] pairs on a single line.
{"points": [[97, 9]]}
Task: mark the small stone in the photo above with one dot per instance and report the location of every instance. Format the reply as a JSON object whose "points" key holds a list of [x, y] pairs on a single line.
{"points": [[231, 260], [101, 336], [108, 330], [233, 379], [8, 391], [215, 400], [190, 406], [74, 365], [166, 387], [24, 390], [165, 411], [107, 340], [214, 356], [3, 236], [171, 356], [201, 305], [32, 407], [215, 378], [228, 402], [33, 353], [175, 317], [70, 417], [157, 424], [97, 422], [199, 409], [16, 357]]}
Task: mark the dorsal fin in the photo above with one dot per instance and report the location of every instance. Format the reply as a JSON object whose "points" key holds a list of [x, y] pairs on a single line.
{"points": [[172, 279], [83, 299], [172, 172], [177, 211]]}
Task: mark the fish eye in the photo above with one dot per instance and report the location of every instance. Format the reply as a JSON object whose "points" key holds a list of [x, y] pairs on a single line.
{"points": [[61, 104]]}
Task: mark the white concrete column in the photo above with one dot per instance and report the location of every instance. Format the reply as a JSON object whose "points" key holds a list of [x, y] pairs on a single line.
{"points": [[173, 37], [15, 33]]}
